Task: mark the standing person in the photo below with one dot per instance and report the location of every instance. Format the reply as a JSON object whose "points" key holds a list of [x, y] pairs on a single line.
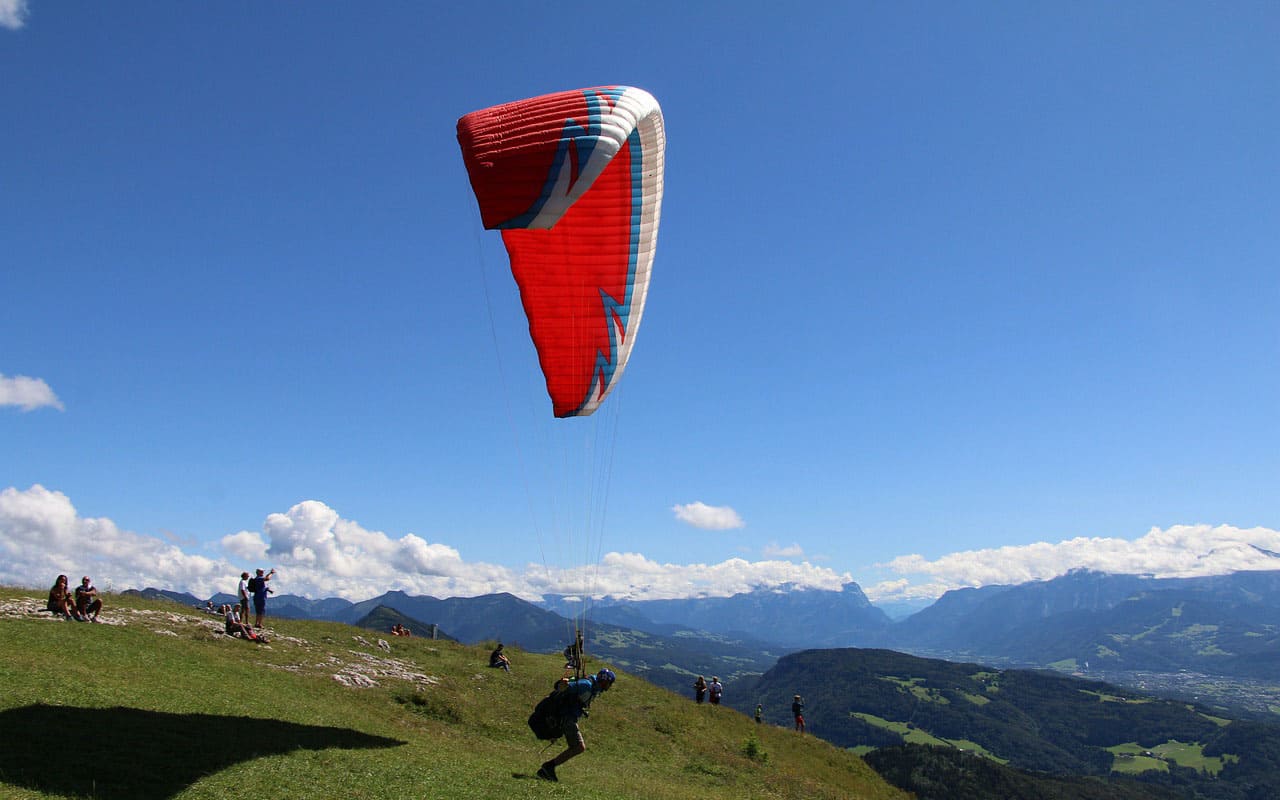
{"points": [[700, 689], [60, 601], [759, 713], [583, 691], [243, 591], [797, 710], [715, 690], [87, 602], [258, 587]]}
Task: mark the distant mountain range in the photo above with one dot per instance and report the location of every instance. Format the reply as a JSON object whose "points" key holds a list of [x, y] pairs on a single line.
{"points": [[789, 616], [670, 658], [1225, 625], [1219, 625]]}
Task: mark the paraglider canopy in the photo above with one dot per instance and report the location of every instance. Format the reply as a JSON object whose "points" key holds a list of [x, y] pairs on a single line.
{"points": [[574, 182]]}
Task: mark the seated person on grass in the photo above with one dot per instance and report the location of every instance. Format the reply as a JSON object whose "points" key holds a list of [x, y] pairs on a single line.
{"points": [[60, 601], [234, 627], [499, 660], [87, 601]]}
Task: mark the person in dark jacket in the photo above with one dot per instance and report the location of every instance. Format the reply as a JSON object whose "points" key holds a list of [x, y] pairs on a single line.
{"points": [[87, 601], [499, 660], [797, 711]]}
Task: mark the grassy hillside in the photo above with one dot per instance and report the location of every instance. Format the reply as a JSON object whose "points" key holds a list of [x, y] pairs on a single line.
{"points": [[946, 773], [157, 704], [1030, 720]]}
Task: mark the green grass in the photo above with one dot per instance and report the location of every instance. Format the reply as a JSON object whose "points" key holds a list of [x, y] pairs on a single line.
{"points": [[976, 699], [910, 734], [913, 735], [1221, 722], [1115, 698], [913, 686], [1130, 764], [1131, 757], [158, 705]]}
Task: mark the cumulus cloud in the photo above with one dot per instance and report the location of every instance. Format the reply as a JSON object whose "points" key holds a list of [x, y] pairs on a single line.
{"points": [[1177, 552], [319, 554], [774, 550], [632, 576], [42, 536], [23, 392], [13, 14], [711, 518]]}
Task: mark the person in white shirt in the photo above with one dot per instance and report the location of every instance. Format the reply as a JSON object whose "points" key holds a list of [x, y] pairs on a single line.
{"points": [[243, 594]]}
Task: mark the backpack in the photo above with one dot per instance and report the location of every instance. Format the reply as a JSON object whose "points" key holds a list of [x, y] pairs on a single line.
{"points": [[253, 585], [547, 719]]}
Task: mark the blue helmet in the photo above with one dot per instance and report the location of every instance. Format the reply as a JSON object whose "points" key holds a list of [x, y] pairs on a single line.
{"points": [[605, 678]]}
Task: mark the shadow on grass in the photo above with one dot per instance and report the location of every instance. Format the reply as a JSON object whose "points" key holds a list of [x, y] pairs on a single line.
{"points": [[131, 754]]}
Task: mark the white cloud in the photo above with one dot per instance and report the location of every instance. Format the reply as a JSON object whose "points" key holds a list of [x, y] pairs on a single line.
{"points": [[13, 14], [42, 536], [246, 545], [1179, 551], [774, 550], [711, 518], [26, 393], [319, 554], [635, 577]]}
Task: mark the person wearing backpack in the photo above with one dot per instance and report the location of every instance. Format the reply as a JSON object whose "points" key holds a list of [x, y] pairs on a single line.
{"points": [[573, 707], [258, 587]]}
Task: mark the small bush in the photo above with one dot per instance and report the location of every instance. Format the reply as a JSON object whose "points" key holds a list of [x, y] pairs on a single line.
{"points": [[752, 749]]}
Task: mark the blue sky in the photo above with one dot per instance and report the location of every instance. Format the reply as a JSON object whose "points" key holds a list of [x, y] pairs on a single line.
{"points": [[943, 296]]}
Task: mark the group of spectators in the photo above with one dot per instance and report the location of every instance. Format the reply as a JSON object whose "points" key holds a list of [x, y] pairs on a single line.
{"points": [[257, 589], [701, 690], [234, 627], [237, 616], [83, 605]]}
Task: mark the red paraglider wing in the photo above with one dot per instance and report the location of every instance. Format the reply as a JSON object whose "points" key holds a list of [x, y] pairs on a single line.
{"points": [[574, 180]]}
